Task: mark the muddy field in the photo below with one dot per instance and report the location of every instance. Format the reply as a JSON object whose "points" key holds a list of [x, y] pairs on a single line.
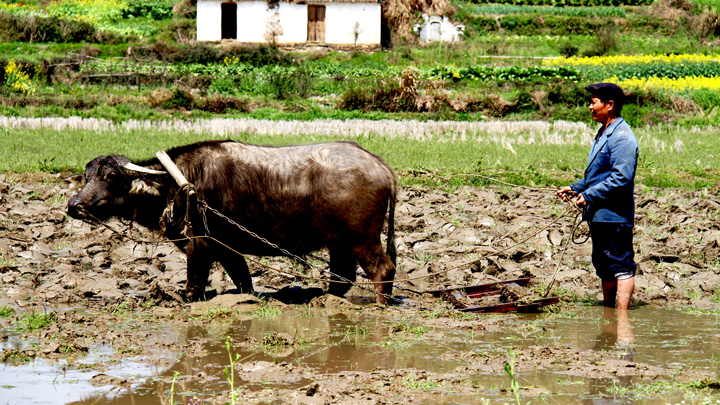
{"points": [[93, 278]]}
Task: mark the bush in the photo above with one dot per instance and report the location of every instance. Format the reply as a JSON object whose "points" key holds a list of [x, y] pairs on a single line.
{"points": [[706, 99], [181, 31], [221, 104], [19, 28], [568, 50], [200, 53], [355, 98], [568, 94], [535, 24], [286, 82], [174, 99], [573, 3], [258, 55], [155, 9], [19, 77]]}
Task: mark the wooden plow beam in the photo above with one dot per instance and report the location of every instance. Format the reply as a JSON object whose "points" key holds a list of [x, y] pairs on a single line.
{"points": [[460, 296]]}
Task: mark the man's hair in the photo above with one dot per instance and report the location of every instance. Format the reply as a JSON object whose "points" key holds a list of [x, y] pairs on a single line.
{"points": [[606, 92]]}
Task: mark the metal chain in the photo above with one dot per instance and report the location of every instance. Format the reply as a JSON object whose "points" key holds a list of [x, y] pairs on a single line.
{"points": [[286, 252], [251, 233]]}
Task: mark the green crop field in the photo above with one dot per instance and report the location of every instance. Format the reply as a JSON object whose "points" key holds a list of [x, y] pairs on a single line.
{"points": [[522, 64]]}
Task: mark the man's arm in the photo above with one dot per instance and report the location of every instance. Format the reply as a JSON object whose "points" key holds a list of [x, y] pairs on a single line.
{"points": [[623, 159]]}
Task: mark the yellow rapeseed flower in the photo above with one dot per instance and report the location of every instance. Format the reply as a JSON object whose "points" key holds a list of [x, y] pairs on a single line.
{"points": [[630, 60], [673, 85]]}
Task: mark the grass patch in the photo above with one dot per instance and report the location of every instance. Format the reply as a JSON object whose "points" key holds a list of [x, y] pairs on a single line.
{"points": [[677, 158], [6, 312], [37, 321]]}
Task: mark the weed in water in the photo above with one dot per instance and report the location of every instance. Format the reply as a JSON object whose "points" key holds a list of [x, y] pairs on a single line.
{"points": [[618, 390], [510, 370], [172, 388], [267, 312], [218, 312], [230, 371], [404, 326], [356, 331], [275, 340], [427, 384], [122, 307]]}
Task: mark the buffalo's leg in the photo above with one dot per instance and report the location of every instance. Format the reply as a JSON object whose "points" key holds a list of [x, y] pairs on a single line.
{"points": [[236, 267], [378, 267], [198, 269], [342, 268]]}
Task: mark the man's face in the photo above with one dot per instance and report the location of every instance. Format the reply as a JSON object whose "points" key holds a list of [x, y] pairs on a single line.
{"points": [[601, 111]]}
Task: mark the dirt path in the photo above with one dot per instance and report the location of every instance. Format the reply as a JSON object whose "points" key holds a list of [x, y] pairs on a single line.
{"points": [[49, 262]]}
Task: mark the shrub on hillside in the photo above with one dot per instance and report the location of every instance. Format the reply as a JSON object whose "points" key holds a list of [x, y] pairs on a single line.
{"points": [[573, 3], [222, 104], [706, 99], [199, 52], [185, 9], [20, 28], [567, 93], [389, 95], [180, 30], [19, 77], [173, 99], [257, 55], [534, 25], [155, 9]]}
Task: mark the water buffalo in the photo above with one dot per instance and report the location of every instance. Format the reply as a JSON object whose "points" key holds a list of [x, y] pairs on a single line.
{"points": [[301, 198]]}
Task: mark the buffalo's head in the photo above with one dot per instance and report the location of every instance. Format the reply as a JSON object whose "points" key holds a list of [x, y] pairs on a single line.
{"points": [[109, 182]]}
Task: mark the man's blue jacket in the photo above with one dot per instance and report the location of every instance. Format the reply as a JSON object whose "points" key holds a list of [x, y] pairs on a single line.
{"points": [[610, 176]]}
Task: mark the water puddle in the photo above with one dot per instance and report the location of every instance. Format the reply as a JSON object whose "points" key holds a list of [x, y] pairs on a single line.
{"points": [[347, 344]]}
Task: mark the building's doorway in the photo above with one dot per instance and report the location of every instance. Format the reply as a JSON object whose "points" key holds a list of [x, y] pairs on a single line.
{"points": [[316, 23], [228, 23]]}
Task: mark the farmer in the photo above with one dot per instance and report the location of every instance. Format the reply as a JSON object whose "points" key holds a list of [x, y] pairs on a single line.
{"points": [[606, 195]]}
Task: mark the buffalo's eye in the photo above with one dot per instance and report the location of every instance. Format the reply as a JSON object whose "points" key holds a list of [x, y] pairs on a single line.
{"points": [[111, 176]]}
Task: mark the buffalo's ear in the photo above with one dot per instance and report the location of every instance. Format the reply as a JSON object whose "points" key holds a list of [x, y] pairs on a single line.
{"points": [[75, 179], [145, 187]]}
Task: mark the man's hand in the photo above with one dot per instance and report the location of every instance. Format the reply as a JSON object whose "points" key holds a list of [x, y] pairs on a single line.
{"points": [[565, 193], [579, 200]]}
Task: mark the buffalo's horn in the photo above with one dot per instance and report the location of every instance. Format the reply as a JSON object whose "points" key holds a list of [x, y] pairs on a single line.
{"points": [[135, 169]]}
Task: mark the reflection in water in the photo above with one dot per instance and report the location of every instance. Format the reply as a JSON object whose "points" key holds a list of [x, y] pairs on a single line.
{"points": [[615, 333], [332, 344]]}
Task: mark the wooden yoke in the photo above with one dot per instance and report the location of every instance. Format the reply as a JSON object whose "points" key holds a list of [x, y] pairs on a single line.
{"points": [[182, 183], [174, 171]]}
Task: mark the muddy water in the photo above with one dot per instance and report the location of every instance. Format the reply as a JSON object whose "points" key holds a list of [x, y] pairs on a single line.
{"points": [[338, 345]]}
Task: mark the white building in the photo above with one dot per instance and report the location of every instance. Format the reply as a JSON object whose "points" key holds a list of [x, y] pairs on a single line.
{"points": [[336, 22]]}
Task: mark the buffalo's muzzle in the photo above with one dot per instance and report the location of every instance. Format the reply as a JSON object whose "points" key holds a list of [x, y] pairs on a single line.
{"points": [[75, 208]]}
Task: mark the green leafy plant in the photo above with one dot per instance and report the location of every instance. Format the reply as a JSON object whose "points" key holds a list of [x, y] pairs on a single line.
{"points": [[510, 370], [172, 387], [230, 371]]}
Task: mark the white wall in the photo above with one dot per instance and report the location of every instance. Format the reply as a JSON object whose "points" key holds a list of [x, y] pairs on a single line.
{"points": [[340, 19], [208, 21], [253, 16], [253, 19]]}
